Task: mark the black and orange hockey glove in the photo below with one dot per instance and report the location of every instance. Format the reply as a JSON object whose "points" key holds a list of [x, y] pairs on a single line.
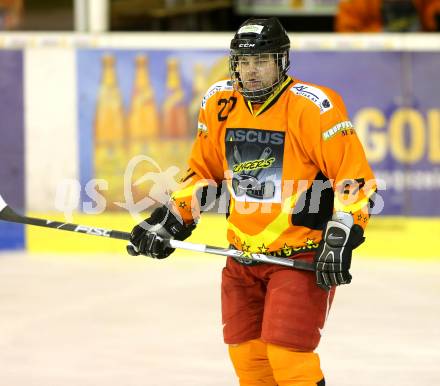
{"points": [[333, 256], [150, 237]]}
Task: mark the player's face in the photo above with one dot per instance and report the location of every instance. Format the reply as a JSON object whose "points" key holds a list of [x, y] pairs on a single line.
{"points": [[257, 71]]}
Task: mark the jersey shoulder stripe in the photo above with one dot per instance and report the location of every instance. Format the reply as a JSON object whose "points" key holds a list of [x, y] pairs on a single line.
{"points": [[314, 94], [223, 85]]}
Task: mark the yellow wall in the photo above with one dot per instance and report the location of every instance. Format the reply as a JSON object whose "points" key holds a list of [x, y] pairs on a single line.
{"points": [[390, 237]]}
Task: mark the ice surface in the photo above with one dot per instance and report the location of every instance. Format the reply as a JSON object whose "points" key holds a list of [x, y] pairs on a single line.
{"points": [[121, 320]]}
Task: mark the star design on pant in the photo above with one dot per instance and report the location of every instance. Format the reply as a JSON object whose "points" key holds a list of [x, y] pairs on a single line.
{"points": [[287, 249], [263, 248], [182, 204], [311, 243], [245, 249]]}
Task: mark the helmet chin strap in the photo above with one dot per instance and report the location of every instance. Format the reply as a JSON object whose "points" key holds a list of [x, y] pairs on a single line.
{"points": [[262, 95], [258, 96]]}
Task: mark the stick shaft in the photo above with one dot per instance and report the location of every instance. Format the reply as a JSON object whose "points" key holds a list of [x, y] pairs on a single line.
{"points": [[297, 264]]}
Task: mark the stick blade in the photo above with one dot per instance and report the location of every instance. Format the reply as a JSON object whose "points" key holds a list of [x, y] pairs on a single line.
{"points": [[3, 204], [7, 214]]}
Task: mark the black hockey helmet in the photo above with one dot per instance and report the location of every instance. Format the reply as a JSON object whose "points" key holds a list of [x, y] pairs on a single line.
{"points": [[254, 37], [260, 35]]}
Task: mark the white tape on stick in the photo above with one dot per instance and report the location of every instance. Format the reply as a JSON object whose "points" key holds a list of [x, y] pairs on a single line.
{"points": [[188, 246], [3, 204]]}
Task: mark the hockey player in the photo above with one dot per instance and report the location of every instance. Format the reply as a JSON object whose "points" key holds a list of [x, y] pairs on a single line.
{"points": [[300, 186]]}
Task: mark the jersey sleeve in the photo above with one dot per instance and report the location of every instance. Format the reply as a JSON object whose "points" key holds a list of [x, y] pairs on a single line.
{"points": [[337, 151], [205, 169]]}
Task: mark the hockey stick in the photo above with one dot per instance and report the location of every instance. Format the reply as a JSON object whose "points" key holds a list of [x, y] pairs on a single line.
{"points": [[297, 264], [8, 214]]}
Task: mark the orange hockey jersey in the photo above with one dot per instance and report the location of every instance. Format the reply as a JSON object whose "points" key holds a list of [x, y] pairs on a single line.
{"points": [[287, 166]]}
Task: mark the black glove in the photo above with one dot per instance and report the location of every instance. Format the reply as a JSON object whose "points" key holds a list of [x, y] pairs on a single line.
{"points": [[150, 237], [333, 256]]}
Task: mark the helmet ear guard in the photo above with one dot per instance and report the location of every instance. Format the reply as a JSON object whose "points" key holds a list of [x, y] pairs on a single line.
{"points": [[253, 38]]}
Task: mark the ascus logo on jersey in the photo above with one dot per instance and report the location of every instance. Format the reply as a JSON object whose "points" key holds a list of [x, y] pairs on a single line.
{"points": [[223, 85], [317, 96], [258, 136]]}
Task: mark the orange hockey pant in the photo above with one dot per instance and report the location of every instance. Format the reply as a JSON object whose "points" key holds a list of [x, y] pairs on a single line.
{"points": [[264, 364]]}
